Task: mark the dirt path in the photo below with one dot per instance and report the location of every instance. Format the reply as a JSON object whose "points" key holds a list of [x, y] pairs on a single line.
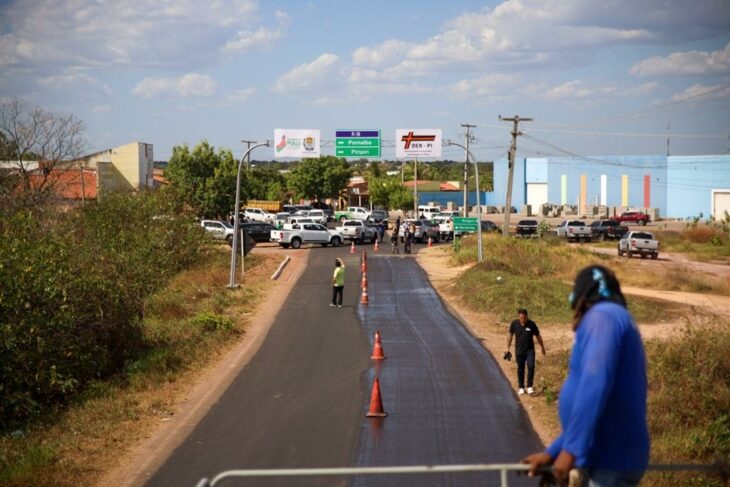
{"points": [[493, 334]]}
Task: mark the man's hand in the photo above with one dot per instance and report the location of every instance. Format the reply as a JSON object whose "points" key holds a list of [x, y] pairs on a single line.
{"points": [[537, 461], [543, 351], [562, 467]]}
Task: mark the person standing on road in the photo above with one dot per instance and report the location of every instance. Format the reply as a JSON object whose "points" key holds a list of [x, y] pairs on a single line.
{"points": [[525, 331], [602, 404], [338, 283], [394, 244]]}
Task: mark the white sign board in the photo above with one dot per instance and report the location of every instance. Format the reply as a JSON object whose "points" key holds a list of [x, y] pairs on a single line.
{"points": [[413, 143], [296, 143]]}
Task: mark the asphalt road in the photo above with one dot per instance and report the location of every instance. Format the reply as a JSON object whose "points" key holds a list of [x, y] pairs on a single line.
{"points": [[301, 401]]}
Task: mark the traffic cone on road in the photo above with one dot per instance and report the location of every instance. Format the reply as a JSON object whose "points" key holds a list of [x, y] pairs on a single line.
{"points": [[364, 298], [377, 348], [364, 282], [364, 265], [376, 403], [376, 248], [430, 242], [352, 247]]}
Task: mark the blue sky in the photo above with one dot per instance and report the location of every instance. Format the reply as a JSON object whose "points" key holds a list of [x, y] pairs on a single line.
{"points": [[598, 77]]}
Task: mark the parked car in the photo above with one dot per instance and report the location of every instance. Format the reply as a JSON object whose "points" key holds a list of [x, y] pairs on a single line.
{"points": [[428, 211], [352, 213], [490, 226], [526, 228], [608, 229], [281, 218], [423, 230], [574, 230], [259, 215], [291, 209], [259, 231], [641, 243], [319, 216], [445, 225], [358, 231], [218, 230], [308, 233], [636, 217], [377, 216], [320, 205]]}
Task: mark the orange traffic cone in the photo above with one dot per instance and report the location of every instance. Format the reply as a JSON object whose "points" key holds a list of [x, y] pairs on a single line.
{"points": [[364, 266], [430, 242], [377, 348], [364, 282], [352, 247], [365, 255], [376, 248], [376, 403], [364, 298]]}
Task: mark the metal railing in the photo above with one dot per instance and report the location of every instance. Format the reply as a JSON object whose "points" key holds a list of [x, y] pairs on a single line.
{"points": [[503, 469]]}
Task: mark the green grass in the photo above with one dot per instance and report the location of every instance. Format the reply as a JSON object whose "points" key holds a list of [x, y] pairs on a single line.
{"points": [[536, 274]]}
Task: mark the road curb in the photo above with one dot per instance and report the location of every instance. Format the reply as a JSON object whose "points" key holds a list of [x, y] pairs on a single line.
{"points": [[276, 274]]}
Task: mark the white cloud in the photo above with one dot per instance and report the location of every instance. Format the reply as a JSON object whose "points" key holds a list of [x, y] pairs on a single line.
{"points": [[382, 55], [690, 62], [73, 80], [262, 38], [189, 85], [576, 89], [102, 109], [93, 33], [240, 96], [493, 85], [311, 76]]}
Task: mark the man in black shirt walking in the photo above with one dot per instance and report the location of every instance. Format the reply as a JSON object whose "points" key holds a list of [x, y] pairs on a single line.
{"points": [[524, 330]]}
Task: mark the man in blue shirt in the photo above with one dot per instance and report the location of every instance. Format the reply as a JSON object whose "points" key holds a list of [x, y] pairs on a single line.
{"points": [[602, 404]]}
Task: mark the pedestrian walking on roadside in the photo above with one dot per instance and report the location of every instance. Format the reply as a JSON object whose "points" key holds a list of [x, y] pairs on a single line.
{"points": [[338, 283], [602, 404], [525, 331], [394, 244]]}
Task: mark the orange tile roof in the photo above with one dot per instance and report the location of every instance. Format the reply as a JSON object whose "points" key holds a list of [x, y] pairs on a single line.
{"points": [[67, 183], [448, 187]]}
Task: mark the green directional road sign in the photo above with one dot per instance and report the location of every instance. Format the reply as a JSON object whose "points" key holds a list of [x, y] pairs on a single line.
{"points": [[465, 224], [357, 143]]}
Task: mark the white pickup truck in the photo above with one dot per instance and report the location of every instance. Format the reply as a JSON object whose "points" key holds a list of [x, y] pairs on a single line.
{"points": [[641, 243], [574, 230], [357, 230], [308, 233]]}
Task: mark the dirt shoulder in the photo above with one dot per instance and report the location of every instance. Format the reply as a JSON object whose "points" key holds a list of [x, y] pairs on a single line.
{"points": [[202, 391], [493, 334]]}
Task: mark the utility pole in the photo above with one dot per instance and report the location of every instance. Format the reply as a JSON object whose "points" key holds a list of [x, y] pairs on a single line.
{"points": [[415, 188], [466, 168], [510, 176]]}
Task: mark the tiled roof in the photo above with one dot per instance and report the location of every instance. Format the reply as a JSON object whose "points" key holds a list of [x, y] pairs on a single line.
{"points": [[67, 183], [448, 187]]}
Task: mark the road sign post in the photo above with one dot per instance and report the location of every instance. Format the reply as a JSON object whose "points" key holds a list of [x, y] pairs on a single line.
{"points": [[357, 143], [465, 224]]}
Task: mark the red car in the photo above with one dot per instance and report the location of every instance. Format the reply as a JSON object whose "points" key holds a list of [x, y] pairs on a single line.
{"points": [[636, 217]]}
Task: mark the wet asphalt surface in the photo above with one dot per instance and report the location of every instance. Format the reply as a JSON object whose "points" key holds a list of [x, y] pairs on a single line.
{"points": [[301, 401]]}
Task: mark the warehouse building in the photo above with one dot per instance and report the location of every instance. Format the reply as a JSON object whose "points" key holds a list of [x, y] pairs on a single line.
{"points": [[669, 186]]}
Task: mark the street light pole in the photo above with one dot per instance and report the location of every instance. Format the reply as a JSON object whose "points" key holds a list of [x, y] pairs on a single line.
{"points": [[236, 224], [479, 206]]}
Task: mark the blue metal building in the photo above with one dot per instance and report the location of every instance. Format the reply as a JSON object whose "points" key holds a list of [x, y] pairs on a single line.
{"points": [[678, 186]]}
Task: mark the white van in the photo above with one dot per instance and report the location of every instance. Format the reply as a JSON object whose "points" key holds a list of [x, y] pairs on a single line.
{"points": [[428, 211]]}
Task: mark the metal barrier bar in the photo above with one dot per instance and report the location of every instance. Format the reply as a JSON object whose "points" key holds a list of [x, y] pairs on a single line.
{"points": [[494, 467]]}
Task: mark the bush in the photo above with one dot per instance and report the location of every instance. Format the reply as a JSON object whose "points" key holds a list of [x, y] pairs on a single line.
{"points": [[72, 288]]}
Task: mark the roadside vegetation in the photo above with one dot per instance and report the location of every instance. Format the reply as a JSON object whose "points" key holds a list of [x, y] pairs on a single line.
{"points": [[105, 311], [689, 394]]}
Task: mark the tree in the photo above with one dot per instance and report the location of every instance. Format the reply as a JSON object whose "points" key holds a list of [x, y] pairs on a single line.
{"points": [[320, 178], [266, 183], [400, 198], [34, 138], [206, 179]]}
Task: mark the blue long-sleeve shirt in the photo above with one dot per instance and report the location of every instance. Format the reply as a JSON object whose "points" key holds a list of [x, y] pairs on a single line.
{"points": [[602, 404]]}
